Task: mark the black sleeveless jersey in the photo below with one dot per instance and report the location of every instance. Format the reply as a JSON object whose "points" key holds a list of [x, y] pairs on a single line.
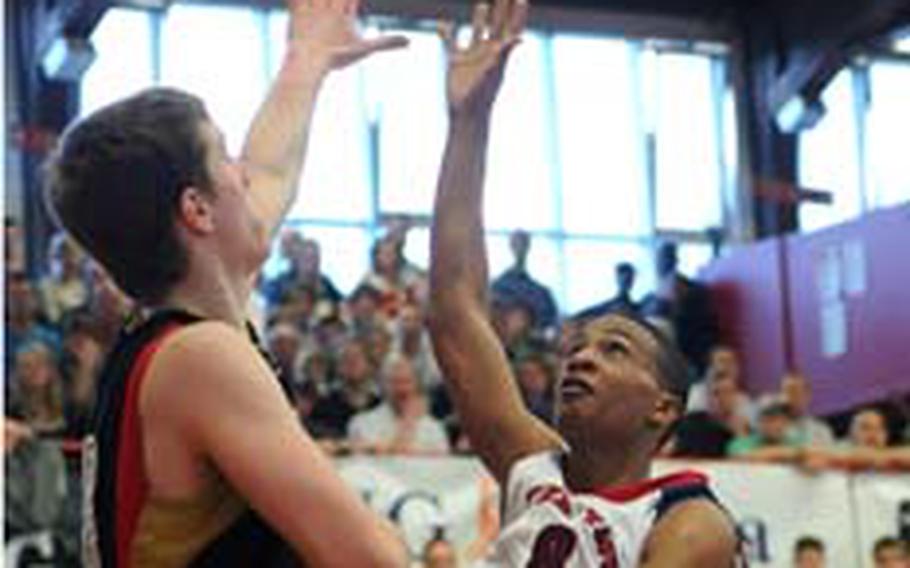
{"points": [[115, 488]]}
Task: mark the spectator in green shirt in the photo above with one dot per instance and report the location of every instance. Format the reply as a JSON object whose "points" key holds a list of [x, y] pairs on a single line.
{"points": [[774, 441]]}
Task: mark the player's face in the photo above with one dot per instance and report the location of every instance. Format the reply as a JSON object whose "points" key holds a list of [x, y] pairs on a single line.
{"points": [[608, 381], [242, 231]]}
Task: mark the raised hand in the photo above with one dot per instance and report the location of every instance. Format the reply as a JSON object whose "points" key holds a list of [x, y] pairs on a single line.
{"points": [[327, 31], [475, 72]]}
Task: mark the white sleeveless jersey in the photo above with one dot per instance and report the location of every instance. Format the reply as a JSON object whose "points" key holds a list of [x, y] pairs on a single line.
{"points": [[545, 525]]}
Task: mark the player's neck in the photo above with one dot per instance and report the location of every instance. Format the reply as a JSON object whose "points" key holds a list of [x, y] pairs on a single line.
{"points": [[212, 296], [587, 469]]}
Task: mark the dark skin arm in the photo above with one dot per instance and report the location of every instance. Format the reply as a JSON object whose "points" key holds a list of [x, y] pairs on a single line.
{"points": [[472, 360]]}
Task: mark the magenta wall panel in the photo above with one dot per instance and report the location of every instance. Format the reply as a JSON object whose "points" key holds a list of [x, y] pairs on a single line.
{"points": [[872, 293], [748, 299], [846, 324]]}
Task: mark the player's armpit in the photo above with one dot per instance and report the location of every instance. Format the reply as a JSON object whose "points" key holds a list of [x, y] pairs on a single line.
{"points": [[693, 534], [220, 394]]}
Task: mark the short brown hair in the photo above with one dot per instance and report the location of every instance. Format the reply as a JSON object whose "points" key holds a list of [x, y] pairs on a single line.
{"points": [[115, 182]]}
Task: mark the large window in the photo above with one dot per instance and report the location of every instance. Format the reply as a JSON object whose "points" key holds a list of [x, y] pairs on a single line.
{"points": [[217, 54], [888, 177], [410, 91], [856, 151], [687, 146], [829, 160], [117, 72], [520, 163], [601, 150], [587, 153]]}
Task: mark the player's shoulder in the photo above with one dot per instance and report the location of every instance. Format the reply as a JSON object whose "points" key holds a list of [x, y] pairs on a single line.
{"points": [[531, 478], [196, 355], [207, 342], [536, 466], [697, 530]]}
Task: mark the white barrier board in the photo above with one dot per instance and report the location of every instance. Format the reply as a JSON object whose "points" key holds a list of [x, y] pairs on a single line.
{"points": [[773, 505]]}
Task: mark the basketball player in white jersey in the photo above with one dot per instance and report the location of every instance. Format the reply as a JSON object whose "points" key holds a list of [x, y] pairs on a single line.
{"points": [[583, 496]]}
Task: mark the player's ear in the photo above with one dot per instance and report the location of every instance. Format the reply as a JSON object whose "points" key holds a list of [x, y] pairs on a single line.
{"points": [[667, 409], [194, 211]]}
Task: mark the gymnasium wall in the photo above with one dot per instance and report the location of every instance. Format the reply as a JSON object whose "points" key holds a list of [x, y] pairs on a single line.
{"points": [[834, 304]]}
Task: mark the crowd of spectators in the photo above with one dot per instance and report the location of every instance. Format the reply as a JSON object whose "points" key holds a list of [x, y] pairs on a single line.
{"points": [[363, 374]]}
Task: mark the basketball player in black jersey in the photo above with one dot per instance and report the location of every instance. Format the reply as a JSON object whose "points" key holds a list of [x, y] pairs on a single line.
{"points": [[200, 459]]}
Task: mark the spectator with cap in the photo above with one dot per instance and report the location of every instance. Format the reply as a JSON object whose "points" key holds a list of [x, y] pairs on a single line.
{"points": [[773, 440], [516, 287]]}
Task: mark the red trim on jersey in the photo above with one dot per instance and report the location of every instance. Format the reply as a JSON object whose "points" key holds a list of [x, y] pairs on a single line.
{"points": [[132, 483], [632, 491]]}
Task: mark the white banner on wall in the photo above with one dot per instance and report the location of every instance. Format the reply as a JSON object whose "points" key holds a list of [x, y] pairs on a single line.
{"points": [[773, 505], [423, 496]]}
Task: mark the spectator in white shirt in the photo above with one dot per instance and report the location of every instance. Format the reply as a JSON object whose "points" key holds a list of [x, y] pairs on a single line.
{"points": [[401, 424]]}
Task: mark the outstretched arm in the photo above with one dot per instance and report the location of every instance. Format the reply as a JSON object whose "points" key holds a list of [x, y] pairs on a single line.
{"points": [[323, 37], [472, 360]]}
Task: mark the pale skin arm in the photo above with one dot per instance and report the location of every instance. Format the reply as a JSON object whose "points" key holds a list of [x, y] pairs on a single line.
{"points": [[470, 356], [695, 534], [323, 37], [229, 411]]}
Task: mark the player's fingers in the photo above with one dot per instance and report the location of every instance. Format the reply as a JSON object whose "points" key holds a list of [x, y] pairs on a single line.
{"points": [[480, 22], [518, 18], [446, 31], [501, 11]]}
